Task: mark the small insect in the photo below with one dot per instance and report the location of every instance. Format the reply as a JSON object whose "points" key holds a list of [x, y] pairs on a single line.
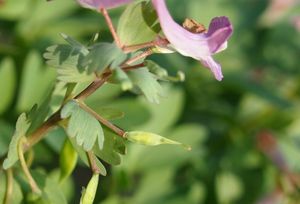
{"points": [[193, 26]]}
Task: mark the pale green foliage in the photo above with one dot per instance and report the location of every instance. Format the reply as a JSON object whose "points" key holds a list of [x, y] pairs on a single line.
{"points": [[156, 69], [138, 24], [147, 84], [119, 76], [67, 59], [83, 156], [83, 126], [22, 126], [113, 145], [102, 55]]}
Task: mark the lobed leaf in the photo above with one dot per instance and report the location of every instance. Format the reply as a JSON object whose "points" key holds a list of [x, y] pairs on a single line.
{"points": [[67, 61], [22, 126], [113, 145], [147, 83], [83, 156], [119, 76], [83, 126], [103, 55]]}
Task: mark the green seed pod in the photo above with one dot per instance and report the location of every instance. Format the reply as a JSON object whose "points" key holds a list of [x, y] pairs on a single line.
{"points": [[88, 194], [151, 139], [67, 160]]}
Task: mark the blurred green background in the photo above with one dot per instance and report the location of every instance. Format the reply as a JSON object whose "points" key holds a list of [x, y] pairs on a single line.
{"points": [[245, 130]]}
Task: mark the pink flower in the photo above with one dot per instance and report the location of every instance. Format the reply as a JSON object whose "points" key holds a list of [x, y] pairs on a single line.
{"points": [[200, 46], [97, 4]]}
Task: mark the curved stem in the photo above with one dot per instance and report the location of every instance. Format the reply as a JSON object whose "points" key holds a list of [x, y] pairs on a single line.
{"points": [[34, 187], [9, 186], [38, 134]]}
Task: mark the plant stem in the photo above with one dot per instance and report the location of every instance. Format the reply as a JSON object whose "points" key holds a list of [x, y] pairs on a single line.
{"points": [[92, 87], [128, 68], [34, 187], [138, 57], [38, 134], [9, 186], [92, 162], [111, 27], [51, 122], [157, 42], [132, 48], [102, 120]]}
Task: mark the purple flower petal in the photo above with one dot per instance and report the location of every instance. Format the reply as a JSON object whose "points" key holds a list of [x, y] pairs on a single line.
{"points": [[97, 4], [199, 46], [215, 67], [218, 33]]}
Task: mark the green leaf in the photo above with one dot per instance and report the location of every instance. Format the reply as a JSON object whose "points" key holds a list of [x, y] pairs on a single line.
{"points": [[17, 196], [103, 55], [83, 156], [88, 194], [138, 24], [36, 80], [112, 145], [151, 139], [110, 113], [83, 126], [52, 192], [119, 76], [156, 69], [38, 114], [68, 160], [22, 126], [7, 83], [147, 83], [67, 61]]}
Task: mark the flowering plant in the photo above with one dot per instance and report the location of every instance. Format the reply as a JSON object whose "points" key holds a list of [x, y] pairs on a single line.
{"points": [[145, 28]]}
